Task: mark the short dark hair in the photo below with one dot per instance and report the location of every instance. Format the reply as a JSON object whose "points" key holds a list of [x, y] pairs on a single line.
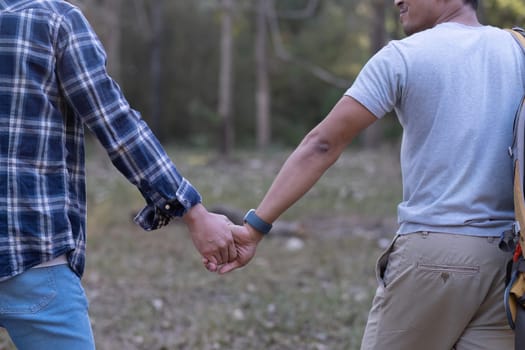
{"points": [[473, 3]]}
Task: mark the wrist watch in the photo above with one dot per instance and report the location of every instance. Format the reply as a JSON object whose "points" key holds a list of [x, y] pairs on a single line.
{"points": [[256, 222]]}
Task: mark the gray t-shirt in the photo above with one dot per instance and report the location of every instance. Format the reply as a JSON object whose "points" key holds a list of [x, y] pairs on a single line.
{"points": [[455, 90]]}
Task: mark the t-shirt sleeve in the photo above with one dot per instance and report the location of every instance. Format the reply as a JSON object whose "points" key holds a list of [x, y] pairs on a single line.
{"points": [[379, 85]]}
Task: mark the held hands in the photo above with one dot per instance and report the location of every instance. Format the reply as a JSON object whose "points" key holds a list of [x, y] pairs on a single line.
{"points": [[246, 240], [211, 234], [224, 246]]}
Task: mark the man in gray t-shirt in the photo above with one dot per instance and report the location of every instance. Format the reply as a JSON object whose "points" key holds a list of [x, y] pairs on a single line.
{"points": [[455, 86], [455, 89]]}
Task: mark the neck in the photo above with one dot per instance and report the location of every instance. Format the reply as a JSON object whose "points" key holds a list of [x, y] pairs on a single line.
{"points": [[464, 14]]}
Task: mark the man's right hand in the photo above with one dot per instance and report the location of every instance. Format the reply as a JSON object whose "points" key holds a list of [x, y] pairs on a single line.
{"points": [[246, 240], [211, 235]]}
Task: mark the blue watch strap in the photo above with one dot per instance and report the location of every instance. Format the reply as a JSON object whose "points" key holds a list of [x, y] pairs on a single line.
{"points": [[256, 222]]}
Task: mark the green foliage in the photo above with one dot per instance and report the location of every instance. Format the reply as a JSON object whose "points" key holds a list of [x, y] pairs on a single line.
{"points": [[504, 13]]}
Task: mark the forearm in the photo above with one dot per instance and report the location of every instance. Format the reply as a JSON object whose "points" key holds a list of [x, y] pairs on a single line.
{"points": [[303, 168], [316, 153], [298, 175]]}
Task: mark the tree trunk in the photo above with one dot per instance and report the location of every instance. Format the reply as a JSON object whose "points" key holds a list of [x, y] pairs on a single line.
{"points": [[226, 77], [113, 38], [157, 21], [105, 16], [373, 134], [262, 93]]}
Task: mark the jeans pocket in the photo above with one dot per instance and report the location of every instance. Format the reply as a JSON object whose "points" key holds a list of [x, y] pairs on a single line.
{"points": [[29, 292]]}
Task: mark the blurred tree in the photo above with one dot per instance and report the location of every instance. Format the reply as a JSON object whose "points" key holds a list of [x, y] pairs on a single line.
{"points": [[156, 44], [283, 54], [187, 46], [262, 89], [317, 58], [104, 15], [373, 135], [290, 65], [226, 77], [286, 20]]}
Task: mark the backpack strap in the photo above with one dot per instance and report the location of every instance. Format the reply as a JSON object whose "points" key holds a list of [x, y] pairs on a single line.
{"points": [[517, 152], [516, 288], [518, 33]]}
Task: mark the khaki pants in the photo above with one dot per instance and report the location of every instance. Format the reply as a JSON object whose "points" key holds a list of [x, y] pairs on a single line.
{"points": [[440, 291]]}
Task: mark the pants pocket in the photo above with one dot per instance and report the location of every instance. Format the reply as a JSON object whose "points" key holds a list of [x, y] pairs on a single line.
{"points": [[382, 262], [28, 292]]}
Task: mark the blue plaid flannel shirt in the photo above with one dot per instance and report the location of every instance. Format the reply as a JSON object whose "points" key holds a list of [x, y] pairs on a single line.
{"points": [[53, 82]]}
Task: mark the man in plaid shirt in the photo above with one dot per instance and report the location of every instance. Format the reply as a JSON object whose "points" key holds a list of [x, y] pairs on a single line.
{"points": [[53, 81]]}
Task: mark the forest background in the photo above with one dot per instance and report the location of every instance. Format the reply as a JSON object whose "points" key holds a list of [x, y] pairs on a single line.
{"points": [[230, 87], [229, 74]]}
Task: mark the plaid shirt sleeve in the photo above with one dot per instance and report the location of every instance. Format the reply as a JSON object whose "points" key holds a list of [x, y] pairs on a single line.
{"points": [[129, 142]]}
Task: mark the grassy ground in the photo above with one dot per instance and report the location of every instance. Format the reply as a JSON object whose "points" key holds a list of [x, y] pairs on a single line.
{"points": [[149, 290]]}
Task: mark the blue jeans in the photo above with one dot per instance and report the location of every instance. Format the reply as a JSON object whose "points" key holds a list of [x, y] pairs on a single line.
{"points": [[46, 308]]}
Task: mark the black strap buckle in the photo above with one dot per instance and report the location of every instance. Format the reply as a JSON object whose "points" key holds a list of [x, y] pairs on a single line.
{"points": [[509, 239]]}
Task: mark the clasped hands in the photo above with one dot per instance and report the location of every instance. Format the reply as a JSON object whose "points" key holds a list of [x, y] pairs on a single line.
{"points": [[223, 246]]}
